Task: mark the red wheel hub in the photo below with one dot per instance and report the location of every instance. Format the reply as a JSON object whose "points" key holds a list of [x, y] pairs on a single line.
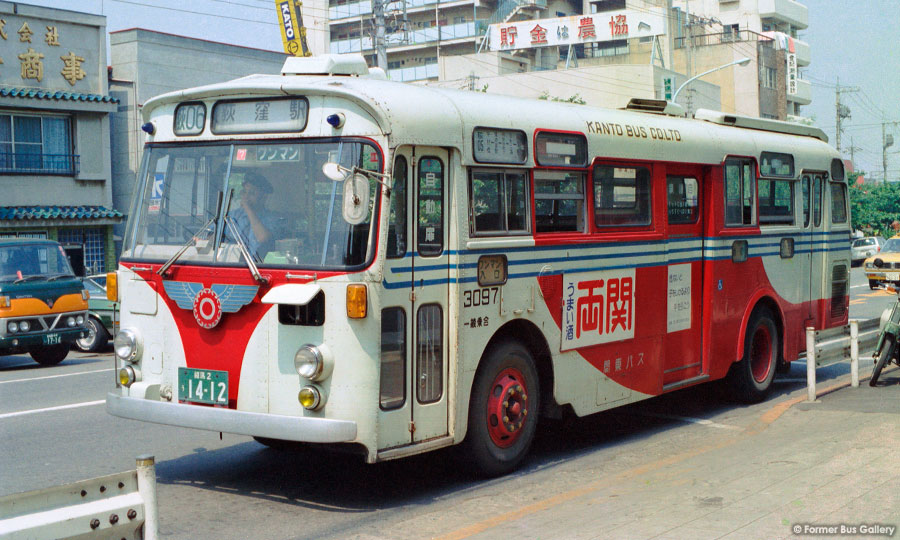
{"points": [[761, 354], [507, 407]]}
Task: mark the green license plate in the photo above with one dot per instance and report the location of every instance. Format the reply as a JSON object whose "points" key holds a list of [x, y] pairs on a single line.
{"points": [[203, 386], [52, 339]]}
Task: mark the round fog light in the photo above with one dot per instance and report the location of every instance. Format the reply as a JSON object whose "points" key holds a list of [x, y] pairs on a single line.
{"points": [[126, 376], [79, 320], [12, 327], [24, 326], [70, 322], [310, 397]]}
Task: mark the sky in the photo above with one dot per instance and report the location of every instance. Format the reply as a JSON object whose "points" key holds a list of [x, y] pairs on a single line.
{"points": [[854, 42]]}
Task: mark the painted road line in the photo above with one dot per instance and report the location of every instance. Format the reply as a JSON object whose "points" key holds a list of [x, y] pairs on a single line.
{"points": [[107, 370], [51, 409]]}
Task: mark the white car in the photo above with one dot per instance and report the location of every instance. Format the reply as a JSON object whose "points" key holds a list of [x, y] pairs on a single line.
{"points": [[863, 248]]}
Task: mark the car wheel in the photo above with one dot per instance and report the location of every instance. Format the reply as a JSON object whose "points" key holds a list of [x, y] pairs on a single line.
{"points": [[873, 284], [96, 337], [50, 355]]}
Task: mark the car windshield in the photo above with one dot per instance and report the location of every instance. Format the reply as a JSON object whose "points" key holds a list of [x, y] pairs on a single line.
{"points": [[891, 246], [94, 288], [32, 261], [279, 203], [862, 242]]}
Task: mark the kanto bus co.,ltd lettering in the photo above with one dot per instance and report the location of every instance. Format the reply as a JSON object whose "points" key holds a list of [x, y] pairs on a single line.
{"points": [[598, 307]]}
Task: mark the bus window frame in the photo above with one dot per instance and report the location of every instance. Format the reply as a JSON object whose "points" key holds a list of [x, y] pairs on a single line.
{"points": [[504, 172], [651, 168], [771, 221], [539, 165], [583, 226], [754, 174]]}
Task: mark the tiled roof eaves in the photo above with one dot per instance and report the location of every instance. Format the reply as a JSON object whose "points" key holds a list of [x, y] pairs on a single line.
{"points": [[34, 93], [22, 213]]}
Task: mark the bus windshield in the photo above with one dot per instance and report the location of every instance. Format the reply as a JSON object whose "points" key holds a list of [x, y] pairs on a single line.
{"points": [[278, 202], [24, 262]]}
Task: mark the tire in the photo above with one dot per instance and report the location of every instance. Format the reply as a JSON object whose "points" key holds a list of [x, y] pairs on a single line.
{"points": [[50, 356], [873, 284], [751, 378], [888, 349], [97, 336], [503, 409]]}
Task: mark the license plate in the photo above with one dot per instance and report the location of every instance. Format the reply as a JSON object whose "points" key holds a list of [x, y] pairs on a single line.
{"points": [[892, 276], [52, 339], [203, 386]]}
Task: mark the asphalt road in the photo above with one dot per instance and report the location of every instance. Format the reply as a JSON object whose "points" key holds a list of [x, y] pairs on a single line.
{"points": [[54, 430]]}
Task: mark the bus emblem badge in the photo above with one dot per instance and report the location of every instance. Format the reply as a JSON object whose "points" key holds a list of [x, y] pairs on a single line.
{"points": [[209, 303], [207, 309]]}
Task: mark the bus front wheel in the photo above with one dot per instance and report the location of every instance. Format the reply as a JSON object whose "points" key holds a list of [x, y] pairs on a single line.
{"points": [[751, 378], [503, 409]]}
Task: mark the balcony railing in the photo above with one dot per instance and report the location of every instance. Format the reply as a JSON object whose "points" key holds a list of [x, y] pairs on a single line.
{"points": [[703, 40], [415, 37], [57, 164]]}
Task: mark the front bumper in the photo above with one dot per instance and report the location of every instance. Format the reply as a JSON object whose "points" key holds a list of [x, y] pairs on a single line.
{"points": [[273, 426], [27, 342]]}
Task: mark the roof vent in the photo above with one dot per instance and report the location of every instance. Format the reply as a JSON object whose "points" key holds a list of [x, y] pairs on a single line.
{"points": [[657, 106], [327, 64]]}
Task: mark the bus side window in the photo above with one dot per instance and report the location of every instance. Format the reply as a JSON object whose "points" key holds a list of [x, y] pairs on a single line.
{"points": [[805, 188], [817, 201], [396, 241], [498, 203], [838, 203], [683, 203], [621, 196], [740, 193], [558, 201]]}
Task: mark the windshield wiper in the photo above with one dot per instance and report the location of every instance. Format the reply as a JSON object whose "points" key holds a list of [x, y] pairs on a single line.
{"points": [[251, 264], [29, 278], [192, 240], [60, 276]]}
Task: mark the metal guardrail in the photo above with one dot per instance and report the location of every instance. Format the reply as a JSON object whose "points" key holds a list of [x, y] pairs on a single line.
{"points": [[826, 347], [120, 505]]}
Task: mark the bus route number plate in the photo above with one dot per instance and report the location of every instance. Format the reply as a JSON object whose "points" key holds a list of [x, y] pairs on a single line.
{"points": [[205, 386]]}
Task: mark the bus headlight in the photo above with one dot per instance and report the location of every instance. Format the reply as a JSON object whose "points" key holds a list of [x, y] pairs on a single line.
{"points": [[127, 376], [313, 363], [311, 397], [127, 345]]}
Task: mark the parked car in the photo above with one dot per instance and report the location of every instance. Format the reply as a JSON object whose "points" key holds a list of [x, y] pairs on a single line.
{"points": [[863, 248], [103, 316], [43, 305], [884, 266]]}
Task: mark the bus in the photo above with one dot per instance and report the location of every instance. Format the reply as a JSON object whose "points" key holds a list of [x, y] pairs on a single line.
{"points": [[329, 257]]}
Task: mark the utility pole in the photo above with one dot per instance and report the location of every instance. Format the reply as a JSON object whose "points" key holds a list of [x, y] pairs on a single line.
{"points": [[887, 140], [841, 111], [853, 150], [380, 52]]}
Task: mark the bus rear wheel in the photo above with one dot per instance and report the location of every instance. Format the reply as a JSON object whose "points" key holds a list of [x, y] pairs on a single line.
{"points": [[503, 409], [751, 378]]}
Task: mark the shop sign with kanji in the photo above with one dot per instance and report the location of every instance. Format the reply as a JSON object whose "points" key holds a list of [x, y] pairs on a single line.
{"points": [[577, 29]]}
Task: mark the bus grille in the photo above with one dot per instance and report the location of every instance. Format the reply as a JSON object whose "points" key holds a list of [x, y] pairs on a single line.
{"points": [[839, 277]]}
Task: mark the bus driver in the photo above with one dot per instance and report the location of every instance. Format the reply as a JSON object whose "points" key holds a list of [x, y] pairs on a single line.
{"points": [[252, 220]]}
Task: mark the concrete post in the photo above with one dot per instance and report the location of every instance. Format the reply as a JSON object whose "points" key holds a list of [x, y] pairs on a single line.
{"points": [[810, 364], [854, 353], [146, 477]]}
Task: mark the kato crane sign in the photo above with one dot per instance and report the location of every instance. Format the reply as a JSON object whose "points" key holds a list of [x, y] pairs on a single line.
{"points": [[293, 34]]}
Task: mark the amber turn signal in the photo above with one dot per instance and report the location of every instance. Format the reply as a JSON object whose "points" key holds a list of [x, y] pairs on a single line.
{"points": [[112, 287], [356, 301]]}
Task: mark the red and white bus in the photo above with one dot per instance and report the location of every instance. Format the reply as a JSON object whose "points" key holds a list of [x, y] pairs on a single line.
{"points": [[330, 257]]}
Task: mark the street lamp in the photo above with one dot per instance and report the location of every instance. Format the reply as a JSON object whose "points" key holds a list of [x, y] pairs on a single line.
{"points": [[741, 62]]}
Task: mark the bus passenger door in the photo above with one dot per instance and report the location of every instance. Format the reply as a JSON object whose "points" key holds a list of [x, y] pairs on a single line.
{"points": [[684, 291], [414, 310], [430, 284]]}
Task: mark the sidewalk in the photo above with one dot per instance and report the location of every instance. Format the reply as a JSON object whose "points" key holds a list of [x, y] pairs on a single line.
{"points": [[802, 466]]}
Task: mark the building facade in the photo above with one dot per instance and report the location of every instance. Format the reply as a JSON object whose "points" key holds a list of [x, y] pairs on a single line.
{"points": [[55, 132], [145, 64]]}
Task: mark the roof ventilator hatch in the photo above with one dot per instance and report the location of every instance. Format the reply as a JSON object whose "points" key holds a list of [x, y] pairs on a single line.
{"points": [[330, 64]]}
